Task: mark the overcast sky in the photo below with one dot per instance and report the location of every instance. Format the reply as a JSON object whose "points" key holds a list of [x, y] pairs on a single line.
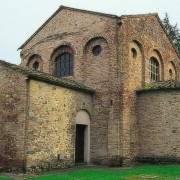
{"points": [[19, 19]]}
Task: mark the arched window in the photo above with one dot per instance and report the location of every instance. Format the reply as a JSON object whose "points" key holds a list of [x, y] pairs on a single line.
{"points": [[64, 65], [172, 70], [134, 53], [170, 74], [154, 69], [35, 66]]}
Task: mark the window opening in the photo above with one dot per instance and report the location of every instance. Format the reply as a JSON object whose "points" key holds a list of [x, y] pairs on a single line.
{"points": [[64, 65], [35, 66], [154, 73], [97, 50], [134, 53]]}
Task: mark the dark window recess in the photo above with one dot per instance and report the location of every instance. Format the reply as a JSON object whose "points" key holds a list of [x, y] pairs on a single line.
{"points": [[35, 66], [97, 50], [154, 73], [64, 65], [134, 53], [170, 73], [111, 102]]}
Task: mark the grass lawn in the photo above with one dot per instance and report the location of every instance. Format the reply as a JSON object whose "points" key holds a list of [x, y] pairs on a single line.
{"points": [[138, 173], [4, 178]]}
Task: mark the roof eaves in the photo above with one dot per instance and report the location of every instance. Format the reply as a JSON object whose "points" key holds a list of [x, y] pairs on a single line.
{"points": [[138, 15], [62, 83], [164, 29], [161, 85], [44, 77], [41, 27], [90, 12]]}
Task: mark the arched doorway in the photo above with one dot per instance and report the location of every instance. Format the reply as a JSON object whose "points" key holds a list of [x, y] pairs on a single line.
{"points": [[82, 142]]}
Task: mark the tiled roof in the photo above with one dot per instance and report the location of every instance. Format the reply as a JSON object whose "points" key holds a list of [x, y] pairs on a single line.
{"points": [[37, 75], [161, 85], [138, 15]]}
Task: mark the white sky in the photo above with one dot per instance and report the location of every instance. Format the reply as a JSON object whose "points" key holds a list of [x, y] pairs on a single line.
{"points": [[19, 19]]}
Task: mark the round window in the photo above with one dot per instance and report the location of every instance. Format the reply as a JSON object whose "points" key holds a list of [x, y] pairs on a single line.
{"points": [[96, 50]]}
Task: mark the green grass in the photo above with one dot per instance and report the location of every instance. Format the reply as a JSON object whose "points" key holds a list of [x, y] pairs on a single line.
{"points": [[5, 178], [138, 173]]}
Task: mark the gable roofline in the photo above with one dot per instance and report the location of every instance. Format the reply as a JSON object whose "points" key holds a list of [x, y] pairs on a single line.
{"points": [[44, 77], [89, 12], [106, 15], [160, 22], [57, 11]]}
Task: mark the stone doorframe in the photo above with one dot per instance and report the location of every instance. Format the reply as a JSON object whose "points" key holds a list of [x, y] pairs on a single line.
{"points": [[83, 118]]}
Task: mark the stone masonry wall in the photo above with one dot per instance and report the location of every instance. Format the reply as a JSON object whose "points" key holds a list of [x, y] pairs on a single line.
{"points": [[51, 126], [81, 31], [12, 119], [159, 124], [147, 37], [115, 74]]}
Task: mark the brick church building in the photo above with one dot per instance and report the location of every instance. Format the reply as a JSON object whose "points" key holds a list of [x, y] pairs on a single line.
{"points": [[91, 88]]}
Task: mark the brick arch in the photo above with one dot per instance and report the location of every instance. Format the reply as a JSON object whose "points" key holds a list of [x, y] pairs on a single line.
{"points": [[63, 48], [137, 42], [142, 61], [161, 63], [65, 44], [172, 66], [88, 41], [35, 58]]}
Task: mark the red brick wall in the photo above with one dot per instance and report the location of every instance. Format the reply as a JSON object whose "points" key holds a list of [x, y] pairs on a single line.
{"points": [[145, 34], [12, 118]]}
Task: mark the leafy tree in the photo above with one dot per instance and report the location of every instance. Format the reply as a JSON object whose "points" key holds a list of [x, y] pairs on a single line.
{"points": [[173, 32]]}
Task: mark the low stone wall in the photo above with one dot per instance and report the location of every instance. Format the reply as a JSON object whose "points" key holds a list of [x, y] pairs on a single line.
{"points": [[12, 119], [52, 125], [37, 119], [158, 113]]}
